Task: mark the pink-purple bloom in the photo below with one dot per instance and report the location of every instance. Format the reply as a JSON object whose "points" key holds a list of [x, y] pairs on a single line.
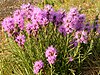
{"points": [[81, 36], [51, 54], [8, 25], [39, 16], [38, 65], [20, 40], [70, 59], [27, 9], [87, 27], [32, 27], [19, 21], [73, 21], [73, 43]]}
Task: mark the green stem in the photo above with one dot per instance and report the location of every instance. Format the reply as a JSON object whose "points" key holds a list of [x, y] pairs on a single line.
{"points": [[40, 72], [51, 69], [66, 52], [79, 62], [76, 52]]}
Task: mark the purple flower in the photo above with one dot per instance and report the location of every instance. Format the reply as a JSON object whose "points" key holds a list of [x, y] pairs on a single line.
{"points": [[87, 27], [81, 18], [58, 17], [8, 25], [51, 54], [98, 29], [73, 12], [51, 59], [49, 12], [62, 29], [48, 8], [81, 36], [18, 13], [39, 16], [70, 59], [73, 21], [66, 28], [20, 40], [73, 44], [38, 65], [19, 20], [27, 9], [32, 27]]}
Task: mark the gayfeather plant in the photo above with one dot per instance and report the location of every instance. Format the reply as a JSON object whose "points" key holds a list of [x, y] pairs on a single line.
{"points": [[20, 40], [59, 40], [51, 54], [38, 65]]}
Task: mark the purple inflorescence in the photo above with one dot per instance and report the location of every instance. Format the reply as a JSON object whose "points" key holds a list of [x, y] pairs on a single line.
{"points": [[39, 16], [30, 18], [32, 27], [8, 25], [38, 65], [51, 54], [20, 40], [73, 21], [81, 36]]}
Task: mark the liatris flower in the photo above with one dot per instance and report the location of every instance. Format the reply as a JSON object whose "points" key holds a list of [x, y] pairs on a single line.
{"points": [[38, 65], [8, 25], [18, 12], [87, 27], [32, 27], [65, 29], [51, 59], [81, 36], [73, 21], [40, 16], [48, 8], [70, 59], [73, 43], [62, 29], [19, 21], [27, 9], [18, 17], [58, 17], [51, 54], [20, 40], [49, 12]]}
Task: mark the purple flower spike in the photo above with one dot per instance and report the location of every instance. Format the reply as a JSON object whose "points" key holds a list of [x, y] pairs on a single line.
{"points": [[81, 36], [27, 9], [20, 40], [38, 65], [73, 21], [32, 27], [51, 54], [48, 8], [19, 20], [8, 25]]}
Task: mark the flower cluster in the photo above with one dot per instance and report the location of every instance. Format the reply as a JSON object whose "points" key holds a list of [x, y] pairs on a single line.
{"points": [[81, 36], [8, 25], [30, 18], [27, 21], [32, 28], [51, 54], [20, 40], [38, 65], [53, 16], [73, 21]]}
